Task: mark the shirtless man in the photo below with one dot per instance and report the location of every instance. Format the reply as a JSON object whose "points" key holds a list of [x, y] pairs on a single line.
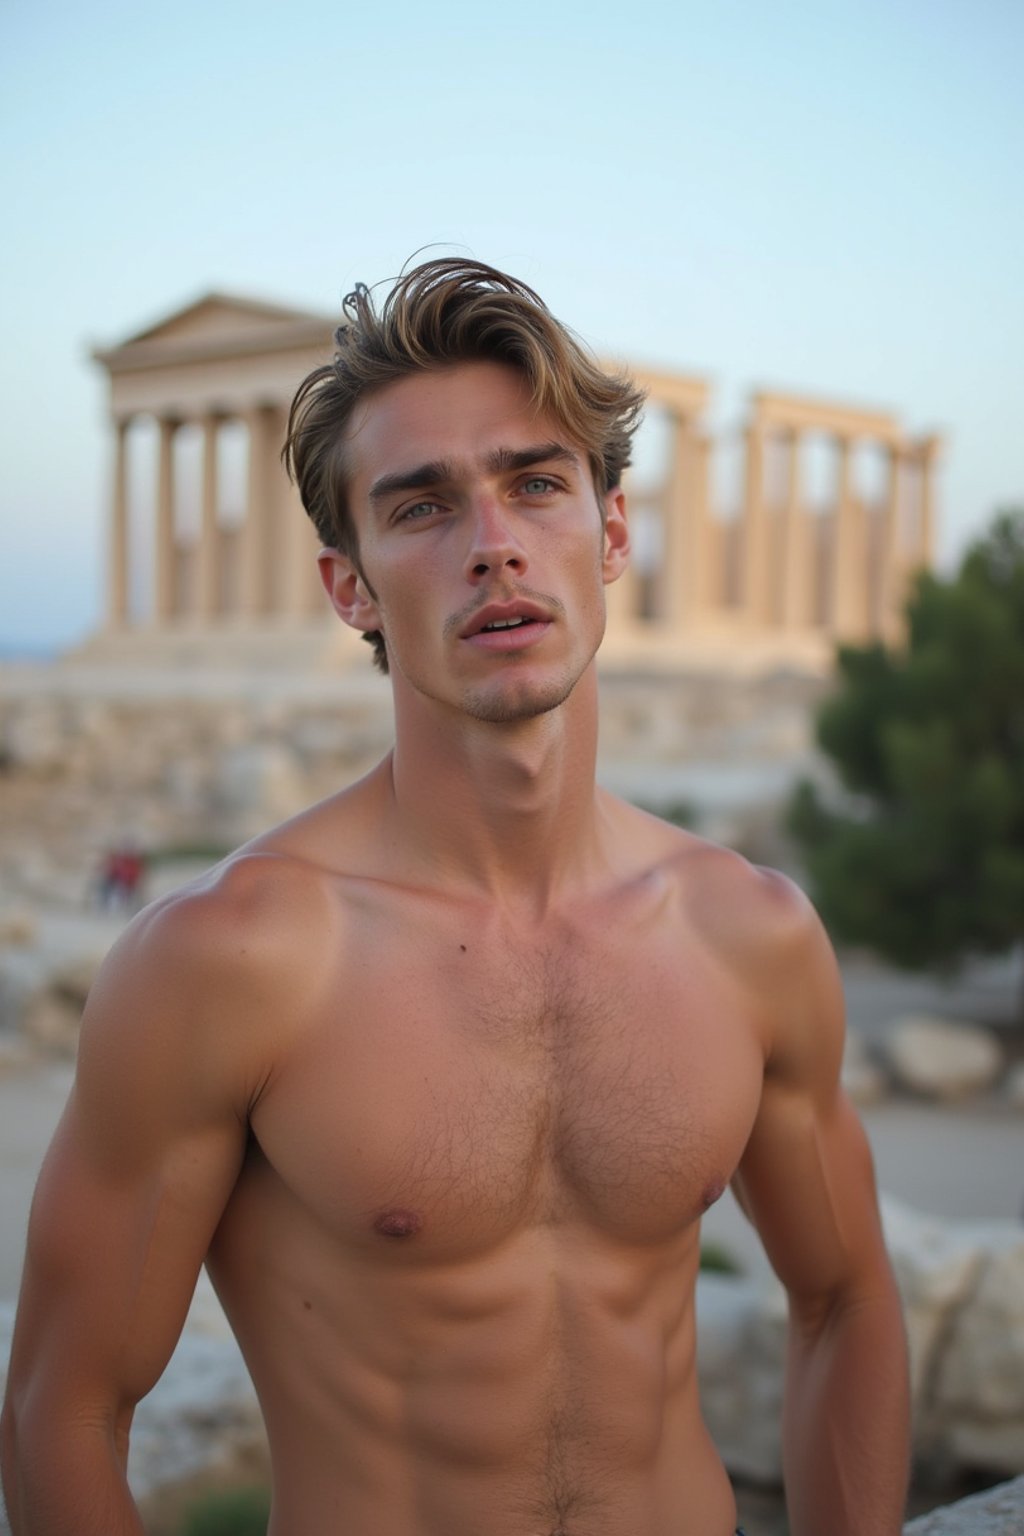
{"points": [[439, 1077]]}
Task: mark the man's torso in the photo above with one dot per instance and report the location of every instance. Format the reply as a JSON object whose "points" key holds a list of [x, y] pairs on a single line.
{"points": [[461, 1254]]}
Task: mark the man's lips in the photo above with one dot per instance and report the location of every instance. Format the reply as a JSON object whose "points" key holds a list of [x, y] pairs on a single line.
{"points": [[504, 619]]}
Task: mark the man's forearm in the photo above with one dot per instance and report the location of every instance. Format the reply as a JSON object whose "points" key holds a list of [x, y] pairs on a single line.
{"points": [[846, 1425], [66, 1482]]}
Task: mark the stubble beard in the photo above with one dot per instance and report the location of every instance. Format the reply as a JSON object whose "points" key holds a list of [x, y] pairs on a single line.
{"points": [[503, 703]]}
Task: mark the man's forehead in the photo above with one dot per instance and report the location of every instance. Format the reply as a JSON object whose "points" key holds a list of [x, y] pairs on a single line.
{"points": [[469, 417]]}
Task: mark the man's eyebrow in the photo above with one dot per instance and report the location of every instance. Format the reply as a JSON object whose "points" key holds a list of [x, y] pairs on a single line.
{"points": [[499, 461], [503, 459], [433, 473]]}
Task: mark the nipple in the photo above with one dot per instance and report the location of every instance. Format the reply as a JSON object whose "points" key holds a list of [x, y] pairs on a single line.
{"points": [[712, 1192], [397, 1223]]}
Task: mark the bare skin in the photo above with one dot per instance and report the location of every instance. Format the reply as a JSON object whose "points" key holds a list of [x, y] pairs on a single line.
{"points": [[440, 1077]]}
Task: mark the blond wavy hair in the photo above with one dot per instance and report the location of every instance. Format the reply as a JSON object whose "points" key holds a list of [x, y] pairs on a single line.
{"points": [[439, 314]]}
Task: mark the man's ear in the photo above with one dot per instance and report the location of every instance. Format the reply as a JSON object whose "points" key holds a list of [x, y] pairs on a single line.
{"points": [[616, 535], [351, 596]]}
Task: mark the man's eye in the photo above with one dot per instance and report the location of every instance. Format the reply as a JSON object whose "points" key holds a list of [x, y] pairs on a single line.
{"points": [[419, 509], [537, 485]]}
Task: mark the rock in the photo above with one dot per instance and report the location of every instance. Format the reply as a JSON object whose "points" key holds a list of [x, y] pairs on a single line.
{"points": [[963, 1292], [35, 739], [940, 1059], [740, 1362], [962, 1285], [201, 1408], [50, 1011], [15, 1053], [18, 927], [936, 1265], [979, 1390], [1015, 1086], [996, 1512], [260, 783], [50, 1022], [863, 1079], [73, 979]]}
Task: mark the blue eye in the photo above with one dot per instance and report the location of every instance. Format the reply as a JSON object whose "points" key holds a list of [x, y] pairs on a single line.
{"points": [[537, 485], [420, 509]]}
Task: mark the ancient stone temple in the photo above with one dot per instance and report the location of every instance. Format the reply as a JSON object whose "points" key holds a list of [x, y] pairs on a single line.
{"points": [[778, 571]]}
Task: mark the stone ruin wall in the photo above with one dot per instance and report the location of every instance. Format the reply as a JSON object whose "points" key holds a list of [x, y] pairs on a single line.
{"points": [[91, 757]]}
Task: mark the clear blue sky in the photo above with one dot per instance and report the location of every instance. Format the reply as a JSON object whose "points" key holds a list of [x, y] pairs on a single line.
{"points": [[815, 196]]}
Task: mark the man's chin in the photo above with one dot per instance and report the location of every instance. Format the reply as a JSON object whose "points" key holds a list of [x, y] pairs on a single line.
{"points": [[513, 701]]}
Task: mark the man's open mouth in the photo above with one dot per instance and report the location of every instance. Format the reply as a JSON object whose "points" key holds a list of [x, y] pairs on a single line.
{"points": [[504, 624], [505, 618]]}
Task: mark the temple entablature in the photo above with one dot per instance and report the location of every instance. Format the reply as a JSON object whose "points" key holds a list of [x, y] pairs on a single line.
{"points": [[774, 571]]}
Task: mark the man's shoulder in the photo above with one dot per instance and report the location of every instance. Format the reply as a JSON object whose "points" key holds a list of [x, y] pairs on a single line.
{"points": [[245, 900], [281, 888], [232, 942], [757, 919], [766, 935]]}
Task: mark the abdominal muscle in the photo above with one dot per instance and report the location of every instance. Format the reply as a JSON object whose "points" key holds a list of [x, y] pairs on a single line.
{"points": [[542, 1384]]}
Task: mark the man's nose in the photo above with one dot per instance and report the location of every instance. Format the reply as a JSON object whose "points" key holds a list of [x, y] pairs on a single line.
{"points": [[494, 546]]}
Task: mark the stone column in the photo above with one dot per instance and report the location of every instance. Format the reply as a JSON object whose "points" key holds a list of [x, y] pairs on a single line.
{"points": [[683, 529], [847, 573], [165, 585], [928, 450], [208, 582], [891, 568], [117, 601], [795, 598], [754, 551], [264, 477]]}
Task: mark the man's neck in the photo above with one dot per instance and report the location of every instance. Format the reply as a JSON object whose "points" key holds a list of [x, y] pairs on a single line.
{"points": [[506, 810]]}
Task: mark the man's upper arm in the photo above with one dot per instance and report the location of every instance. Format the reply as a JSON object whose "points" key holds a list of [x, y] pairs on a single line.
{"points": [[806, 1178], [139, 1172]]}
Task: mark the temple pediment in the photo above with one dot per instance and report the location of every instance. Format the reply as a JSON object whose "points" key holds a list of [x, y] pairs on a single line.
{"points": [[221, 315], [216, 324]]}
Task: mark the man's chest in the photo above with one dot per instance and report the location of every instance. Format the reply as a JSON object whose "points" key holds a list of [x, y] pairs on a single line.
{"points": [[465, 1087]]}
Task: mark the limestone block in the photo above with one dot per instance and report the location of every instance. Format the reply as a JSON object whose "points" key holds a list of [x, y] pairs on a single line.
{"points": [[962, 1285], [740, 1363], [202, 1406], [73, 978], [18, 927], [997, 1447], [15, 1053], [940, 1059], [979, 1391], [936, 1264], [187, 779], [35, 738], [263, 779], [1015, 1086], [996, 1512], [863, 1079], [50, 1022], [50, 1014]]}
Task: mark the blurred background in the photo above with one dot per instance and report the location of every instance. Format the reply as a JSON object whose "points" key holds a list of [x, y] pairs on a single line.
{"points": [[815, 197], [801, 226]]}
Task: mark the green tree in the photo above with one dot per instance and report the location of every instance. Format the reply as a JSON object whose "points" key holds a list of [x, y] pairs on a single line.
{"points": [[924, 859], [235, 1512]]}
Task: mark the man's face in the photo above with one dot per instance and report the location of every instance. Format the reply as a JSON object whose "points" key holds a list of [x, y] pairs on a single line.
{"points": [[481, 542]]}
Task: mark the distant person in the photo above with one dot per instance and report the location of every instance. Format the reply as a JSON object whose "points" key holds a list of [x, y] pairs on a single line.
{"points": [[439, 1077], [121, 877]]}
